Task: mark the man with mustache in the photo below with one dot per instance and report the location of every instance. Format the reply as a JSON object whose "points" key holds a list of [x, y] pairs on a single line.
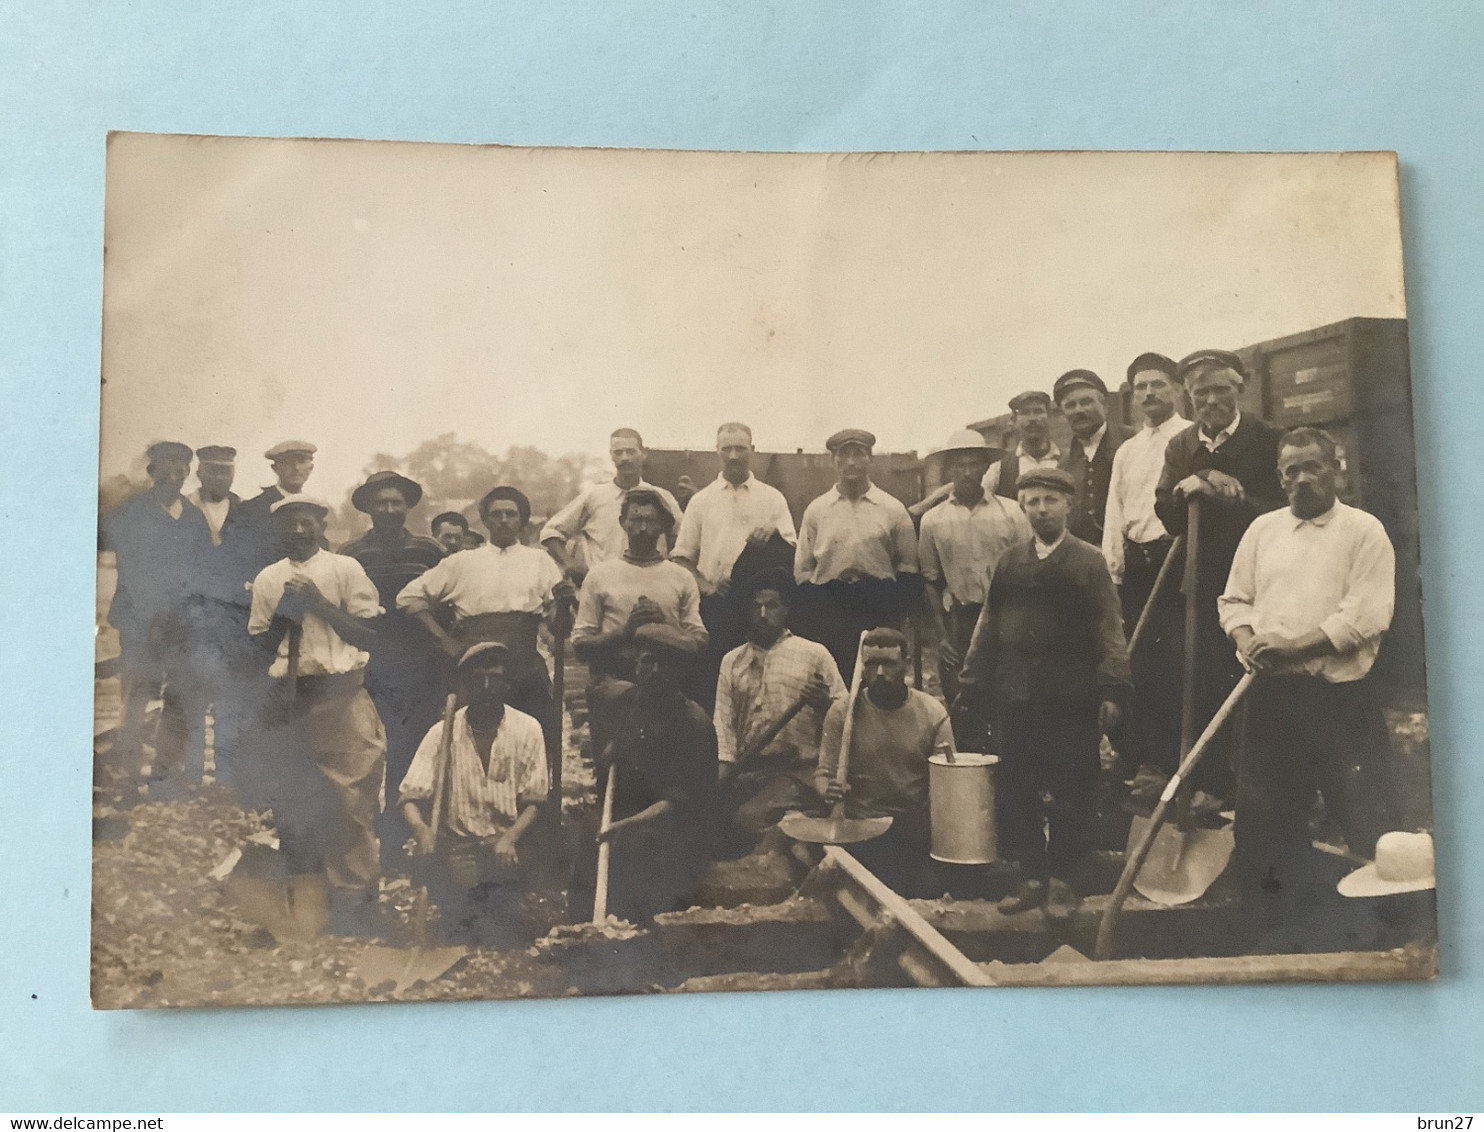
{"points": [[321, 747], [1081, 396], [495, 785], [897, 729], [1228, 460], [1310, 594], [1135, 545]]}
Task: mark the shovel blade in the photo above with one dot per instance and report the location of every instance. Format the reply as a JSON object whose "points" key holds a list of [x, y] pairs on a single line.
{"points": [[1182, 864], [405, 967], [833, 830]]}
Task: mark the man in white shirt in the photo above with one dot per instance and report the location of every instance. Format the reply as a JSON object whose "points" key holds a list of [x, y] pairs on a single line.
{"points": [[321, 750], [733, 512], [961, 540], [1135, 545], [1310, 594], [591, 522], [856, 562]]}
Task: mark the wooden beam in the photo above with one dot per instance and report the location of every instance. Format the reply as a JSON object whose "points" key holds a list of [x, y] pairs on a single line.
{"points": [[1415, 962]]}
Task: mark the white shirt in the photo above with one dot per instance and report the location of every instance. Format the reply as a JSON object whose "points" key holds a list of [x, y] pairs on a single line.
{"points": [[1044, 550], [872, 534], [216, 513], [344, 584], [719, 517], [1136, 470], [592, 519], [486, 579], [481, 803], [1026, 463], [959, 546], [1214, 442], [1335, 573]]}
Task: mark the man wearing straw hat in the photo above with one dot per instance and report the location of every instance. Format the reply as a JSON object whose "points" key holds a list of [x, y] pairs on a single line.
{"points": [[1048, 666], [960, 541], [1310, 594], [320, 754], [493, 786]]}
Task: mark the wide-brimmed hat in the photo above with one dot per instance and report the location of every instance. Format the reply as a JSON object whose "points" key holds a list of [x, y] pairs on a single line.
{"points": [[1404, 863], [970, 440], [411, 490]]}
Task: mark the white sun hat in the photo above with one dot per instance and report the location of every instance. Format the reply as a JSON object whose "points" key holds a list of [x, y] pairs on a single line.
{"points": [[1404, 863]]}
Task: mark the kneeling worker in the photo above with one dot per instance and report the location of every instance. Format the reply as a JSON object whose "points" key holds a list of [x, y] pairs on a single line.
{"points": [[495, 783], [897, 730], [1049, 662]]}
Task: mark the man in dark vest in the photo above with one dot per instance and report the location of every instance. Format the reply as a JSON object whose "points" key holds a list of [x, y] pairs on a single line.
{"points": [[1228, 462], [1080, 394]]}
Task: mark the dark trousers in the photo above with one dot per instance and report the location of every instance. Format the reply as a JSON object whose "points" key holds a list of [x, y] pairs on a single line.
{"points": [[1152, 734], [759, 796], [837, 613], [154, 663], [1303, 734], [1048, 745], [726, 628], [960, 622], [901, 857]]}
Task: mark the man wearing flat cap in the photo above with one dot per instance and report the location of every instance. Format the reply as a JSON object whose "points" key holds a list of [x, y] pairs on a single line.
{"points": [[961, 541], [1226, 464], [160, 542], [319, 754], [402, 675], [856, 559], [1082, 398], [501, 591], [216, 466], [248, 541], [495, 785], [1048, 667]]}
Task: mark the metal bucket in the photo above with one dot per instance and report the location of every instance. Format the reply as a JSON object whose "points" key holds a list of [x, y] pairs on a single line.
{"points": [[961, 804]]}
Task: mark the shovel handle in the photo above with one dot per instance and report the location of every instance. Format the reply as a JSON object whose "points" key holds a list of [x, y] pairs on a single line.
{"points": [[1136, 860], [772, 731], [605, 850], [842, 766], [1166, 569], [296, 642]]}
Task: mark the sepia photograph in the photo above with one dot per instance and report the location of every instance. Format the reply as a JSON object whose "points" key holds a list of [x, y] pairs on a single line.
{"points": [[526, 573]]}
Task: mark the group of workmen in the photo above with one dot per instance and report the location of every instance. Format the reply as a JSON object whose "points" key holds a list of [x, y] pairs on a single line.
{"points": [[727, 650]]}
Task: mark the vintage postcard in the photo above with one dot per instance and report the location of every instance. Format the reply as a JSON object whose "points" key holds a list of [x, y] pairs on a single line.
{"points": [[536, 572]]}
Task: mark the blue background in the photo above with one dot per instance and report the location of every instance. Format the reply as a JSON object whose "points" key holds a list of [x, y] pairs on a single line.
{"points": [[1287, 76]]}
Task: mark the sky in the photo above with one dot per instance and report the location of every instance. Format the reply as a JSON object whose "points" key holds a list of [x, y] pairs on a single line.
{"points": [[366, 296]]}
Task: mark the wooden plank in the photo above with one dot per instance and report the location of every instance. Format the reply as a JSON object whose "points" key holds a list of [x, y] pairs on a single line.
{"points": [[1418, 962], [964, 970]]}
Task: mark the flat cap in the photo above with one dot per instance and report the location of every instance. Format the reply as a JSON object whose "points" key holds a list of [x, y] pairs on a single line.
{"points": [[485, 649], [665, 638], [851, 436], [1074, 379], [1029, 397], [1054, 478], [1203, 360], [411, 490], [216, 454], [1151, 360], [300, 501], [289, 447], [168, 450]]}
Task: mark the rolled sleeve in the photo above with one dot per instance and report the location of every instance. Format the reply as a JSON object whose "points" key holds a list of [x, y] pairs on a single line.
{"points": [[783, 520], [688, 537], [567, 522], [804, 560], [361, 597], [417, 783], [1370, 594], [904, 539], [1235, 607], [428, 589], [927, 554], [267, 591]]}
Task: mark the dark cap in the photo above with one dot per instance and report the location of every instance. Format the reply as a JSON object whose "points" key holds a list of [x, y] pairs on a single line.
{"points": [[1054, 478], [851, 436], [646, 496], [483, 648], [1204, 360], [1153, 361], [216, 454], [513, 494], [1030, 396], [168, 450], [1077, 378], [411, 490]]}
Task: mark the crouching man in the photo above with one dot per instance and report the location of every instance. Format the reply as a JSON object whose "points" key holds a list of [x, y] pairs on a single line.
{"points": [[897, 730], [1049, 664], [494, 784], [321, 750]]}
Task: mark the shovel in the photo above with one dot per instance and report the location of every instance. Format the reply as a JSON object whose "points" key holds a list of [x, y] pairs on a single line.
{"points": [[837, 829], [605, 850], [1189, 863], [1166, 568], [421, 964]]}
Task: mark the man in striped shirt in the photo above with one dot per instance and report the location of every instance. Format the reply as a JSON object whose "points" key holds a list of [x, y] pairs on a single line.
{"points": [[759, 682], [494, 785]]}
